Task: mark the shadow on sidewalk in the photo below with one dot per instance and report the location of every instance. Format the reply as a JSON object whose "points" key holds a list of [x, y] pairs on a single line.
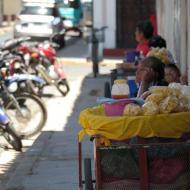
{"points": [[51, 163]]}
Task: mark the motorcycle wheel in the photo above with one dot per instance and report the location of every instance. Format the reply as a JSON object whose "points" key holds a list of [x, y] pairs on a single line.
{"points": [[59, 39], [63, 87], [12, 138], [29, 113], [30, 87]]}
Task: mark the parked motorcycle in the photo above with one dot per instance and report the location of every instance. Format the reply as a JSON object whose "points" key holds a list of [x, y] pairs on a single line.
{"points": [[27, 111], [8, 132], [43, 62], [13, 65]]}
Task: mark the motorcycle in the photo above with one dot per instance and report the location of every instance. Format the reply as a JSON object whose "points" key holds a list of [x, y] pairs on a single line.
{"points": [[25, 110], [13, 65], [43, 62], [8, 132]]}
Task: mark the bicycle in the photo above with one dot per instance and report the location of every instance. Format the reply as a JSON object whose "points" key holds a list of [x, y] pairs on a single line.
{"points": [[97, 35]]}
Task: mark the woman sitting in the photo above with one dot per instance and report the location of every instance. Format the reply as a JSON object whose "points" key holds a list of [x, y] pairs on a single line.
{"points": [[144, 31], [150, 72]]}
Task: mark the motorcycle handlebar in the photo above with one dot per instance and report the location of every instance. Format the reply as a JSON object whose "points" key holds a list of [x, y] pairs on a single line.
{"points": [[12, 43]]}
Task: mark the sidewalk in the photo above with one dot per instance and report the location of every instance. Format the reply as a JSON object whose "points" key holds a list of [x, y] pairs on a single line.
{"points": [[50, 160]]}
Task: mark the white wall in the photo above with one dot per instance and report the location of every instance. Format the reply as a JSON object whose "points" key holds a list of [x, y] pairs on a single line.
{"points": [[173, 26], [188, 40], [105, 15], [1, 11]]}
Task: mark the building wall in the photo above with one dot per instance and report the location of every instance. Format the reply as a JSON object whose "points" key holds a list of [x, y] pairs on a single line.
{"points": [[1, 11], [129, 13], [173, 25], [11, 6], [188, 39], [121, 17], [104, 14]]}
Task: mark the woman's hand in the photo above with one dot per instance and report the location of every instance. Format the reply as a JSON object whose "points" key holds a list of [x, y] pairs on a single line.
{"points": [[148, 75], [145, 95]]}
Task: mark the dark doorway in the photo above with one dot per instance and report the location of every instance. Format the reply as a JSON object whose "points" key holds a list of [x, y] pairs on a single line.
{"points": [[129, 13]]}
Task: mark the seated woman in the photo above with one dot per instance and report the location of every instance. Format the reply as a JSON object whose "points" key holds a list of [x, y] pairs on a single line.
{"points": [[125, 164], [144, 31], [150, 72]]}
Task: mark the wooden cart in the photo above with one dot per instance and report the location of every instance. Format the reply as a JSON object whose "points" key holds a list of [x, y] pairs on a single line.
{"points": [[138, 163]]}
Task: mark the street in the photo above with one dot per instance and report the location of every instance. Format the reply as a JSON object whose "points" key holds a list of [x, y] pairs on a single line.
{"points": [[6, 33], [49, 160]]}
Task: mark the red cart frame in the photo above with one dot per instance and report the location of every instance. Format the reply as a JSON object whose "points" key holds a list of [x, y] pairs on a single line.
{"points": [[144, 183]]}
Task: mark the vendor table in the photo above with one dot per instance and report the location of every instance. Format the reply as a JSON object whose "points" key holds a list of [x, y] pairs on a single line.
{"points": [[126, 155]]}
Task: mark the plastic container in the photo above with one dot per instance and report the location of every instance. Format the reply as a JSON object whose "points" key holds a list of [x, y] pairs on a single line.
{"points": [[132, 86], [120, 89], [116, 109], [131, 56]]}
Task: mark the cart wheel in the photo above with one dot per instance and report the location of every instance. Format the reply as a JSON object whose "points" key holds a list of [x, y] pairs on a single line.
{"points": [[107, 90], [88, 174]]}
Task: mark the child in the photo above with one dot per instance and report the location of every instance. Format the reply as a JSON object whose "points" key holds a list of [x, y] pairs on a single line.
{"points": [[172, 73], [157, 42]]}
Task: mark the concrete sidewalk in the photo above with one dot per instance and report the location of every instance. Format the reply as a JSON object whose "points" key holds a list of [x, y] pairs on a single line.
{"points": [[49, 161]]}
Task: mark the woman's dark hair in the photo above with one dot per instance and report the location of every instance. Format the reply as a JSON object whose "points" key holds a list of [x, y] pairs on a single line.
{"points": [[174, 67], [146, 28], [156, 64], [157, 41]]}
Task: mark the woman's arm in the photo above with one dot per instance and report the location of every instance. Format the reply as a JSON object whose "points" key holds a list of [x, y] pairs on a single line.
{"points": [[143, 88], [147, 78]]}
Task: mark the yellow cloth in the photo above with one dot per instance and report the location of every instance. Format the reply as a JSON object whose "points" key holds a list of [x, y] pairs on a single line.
{"points": [[94, 122]]}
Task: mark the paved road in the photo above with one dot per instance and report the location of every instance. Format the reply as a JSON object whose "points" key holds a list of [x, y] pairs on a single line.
{"points": [[49, 160]]}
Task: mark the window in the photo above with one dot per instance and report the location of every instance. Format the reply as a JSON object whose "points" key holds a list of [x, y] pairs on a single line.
{"points": [[36, 10]]}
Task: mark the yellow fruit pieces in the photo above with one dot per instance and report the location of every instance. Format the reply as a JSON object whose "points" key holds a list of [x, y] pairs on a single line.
{"points": [[132, 110], [156, 98], [168, 104], [160, 53], [150, 108]]}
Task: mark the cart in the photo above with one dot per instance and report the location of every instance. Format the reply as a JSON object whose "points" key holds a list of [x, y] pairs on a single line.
{"points": [[144, 164]]}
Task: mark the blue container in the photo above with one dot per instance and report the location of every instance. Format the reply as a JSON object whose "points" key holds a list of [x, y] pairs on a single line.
{"points": [[133, 88], [131, 56]]}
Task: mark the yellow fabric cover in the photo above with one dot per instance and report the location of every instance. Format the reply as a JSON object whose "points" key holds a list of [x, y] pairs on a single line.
{"points": [[94, 122]]}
